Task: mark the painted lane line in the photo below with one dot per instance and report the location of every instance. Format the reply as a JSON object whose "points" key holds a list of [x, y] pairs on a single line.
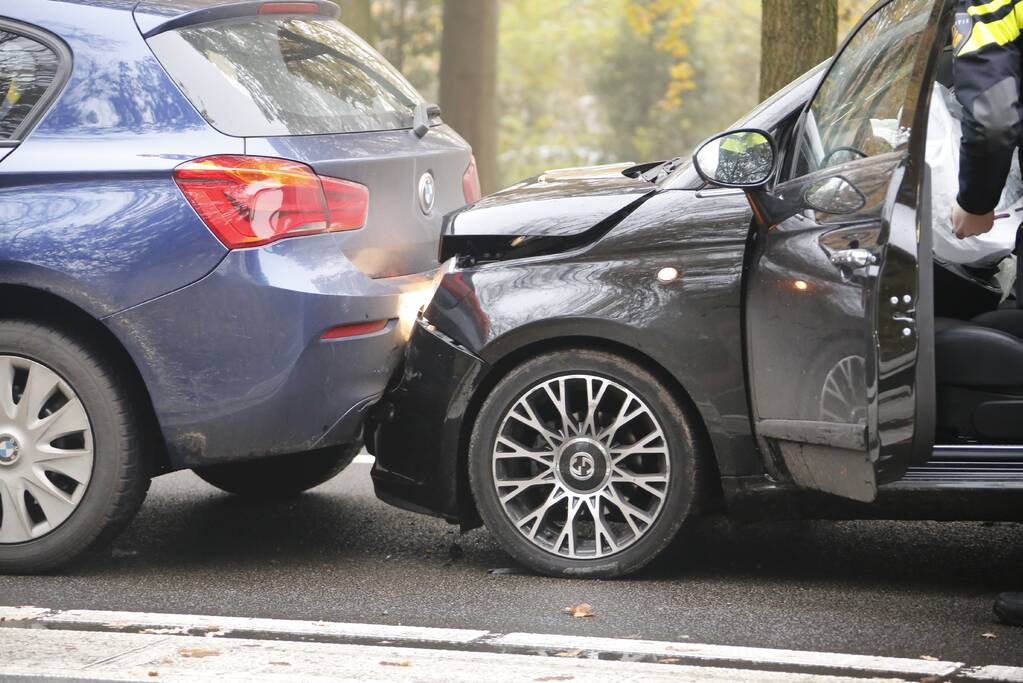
{"points": [[735, 655], [364, 459], [175, 624], [1005, 674], [214, 628], [105, 656], [21, 613]]}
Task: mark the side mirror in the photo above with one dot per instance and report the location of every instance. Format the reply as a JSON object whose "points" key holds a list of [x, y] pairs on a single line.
{"points": [[739, 158], [834, 195]]}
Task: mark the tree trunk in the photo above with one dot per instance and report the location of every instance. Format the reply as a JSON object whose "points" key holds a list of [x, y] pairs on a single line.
{"points": [[358, 16], [468, 79], [796, 35]]}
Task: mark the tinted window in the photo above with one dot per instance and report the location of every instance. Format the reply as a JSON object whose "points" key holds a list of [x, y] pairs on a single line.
{"points": [[27, 70], [285, 76], [861, 110]]}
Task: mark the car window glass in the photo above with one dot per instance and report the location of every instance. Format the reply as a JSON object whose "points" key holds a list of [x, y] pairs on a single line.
{"points": [[267, 76], [859, 111], [27, 70]]}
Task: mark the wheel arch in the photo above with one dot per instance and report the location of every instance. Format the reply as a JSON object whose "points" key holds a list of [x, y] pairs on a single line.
{"points": [[30, 303], [530, 343]]}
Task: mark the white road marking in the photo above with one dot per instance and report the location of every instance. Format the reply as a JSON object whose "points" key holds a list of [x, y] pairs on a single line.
{"points": [[100, 656], [170, 623], [1006, 674], [364, 458], [21, 613], [730, 654], [115, 645]]}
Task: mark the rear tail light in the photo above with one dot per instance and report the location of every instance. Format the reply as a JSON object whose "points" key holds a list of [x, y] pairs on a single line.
{"points": [[250, 201], [471, 183]]}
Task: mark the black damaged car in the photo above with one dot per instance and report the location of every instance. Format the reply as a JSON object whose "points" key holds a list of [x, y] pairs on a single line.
{"points": [[613, 352]]}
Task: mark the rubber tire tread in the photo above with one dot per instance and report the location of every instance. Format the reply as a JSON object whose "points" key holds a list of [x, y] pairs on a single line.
{"points": [[120, 479], [687, 490]]}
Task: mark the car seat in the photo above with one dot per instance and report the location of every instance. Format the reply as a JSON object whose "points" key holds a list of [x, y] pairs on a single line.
{"points": [[979, 368], [979, 365]]}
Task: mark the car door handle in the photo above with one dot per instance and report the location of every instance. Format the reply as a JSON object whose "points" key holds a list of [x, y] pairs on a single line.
{"points": [[853, 258]]}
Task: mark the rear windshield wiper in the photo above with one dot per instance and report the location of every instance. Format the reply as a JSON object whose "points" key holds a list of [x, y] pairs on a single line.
{"points": [[421, 117]]}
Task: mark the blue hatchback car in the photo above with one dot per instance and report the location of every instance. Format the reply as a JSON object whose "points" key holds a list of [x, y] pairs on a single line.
{"points": [[217, 222]]}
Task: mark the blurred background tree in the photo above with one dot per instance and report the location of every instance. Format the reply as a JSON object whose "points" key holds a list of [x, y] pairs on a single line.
{"points": [[468, 79], [582, 82], [796, 35]]}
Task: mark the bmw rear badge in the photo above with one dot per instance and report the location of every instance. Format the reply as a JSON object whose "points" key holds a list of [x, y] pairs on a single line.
{"points": [[427, 193]]}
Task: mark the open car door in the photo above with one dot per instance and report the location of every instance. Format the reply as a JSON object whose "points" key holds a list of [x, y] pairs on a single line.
{"points": [[839, 318]]}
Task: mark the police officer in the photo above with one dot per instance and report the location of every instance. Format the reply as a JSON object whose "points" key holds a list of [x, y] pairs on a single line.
{"points": [[988, 69]]}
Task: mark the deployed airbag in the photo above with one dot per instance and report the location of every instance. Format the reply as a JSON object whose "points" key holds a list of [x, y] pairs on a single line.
{"points": [[944, 131]]}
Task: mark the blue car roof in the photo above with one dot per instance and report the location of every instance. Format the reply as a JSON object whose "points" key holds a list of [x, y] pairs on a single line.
{"points": [[156, 16]]}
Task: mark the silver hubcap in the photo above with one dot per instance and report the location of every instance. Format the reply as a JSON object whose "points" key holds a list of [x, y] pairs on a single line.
{"points": [[581, 466], [46, 450], [845, 391]]}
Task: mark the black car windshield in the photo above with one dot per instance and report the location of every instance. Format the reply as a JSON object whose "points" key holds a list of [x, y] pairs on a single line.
{"points": [[267, 75]]}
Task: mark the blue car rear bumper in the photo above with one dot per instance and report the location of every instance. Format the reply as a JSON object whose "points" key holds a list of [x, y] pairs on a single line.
{"points": [[235, 363]]}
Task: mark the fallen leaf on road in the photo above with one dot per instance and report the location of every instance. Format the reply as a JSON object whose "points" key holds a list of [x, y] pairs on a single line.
{"points": [[569, 653], [580, 611], [198, 652], [989, 636], [507, 571], [153, 674], [669, 660], [403, 662], [12, 618]]}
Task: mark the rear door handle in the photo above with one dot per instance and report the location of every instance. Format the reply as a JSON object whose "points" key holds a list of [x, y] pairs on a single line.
{"points": [[853, 259]]}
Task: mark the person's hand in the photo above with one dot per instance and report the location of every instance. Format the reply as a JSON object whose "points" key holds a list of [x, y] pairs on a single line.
{"points": [[966, 224]]}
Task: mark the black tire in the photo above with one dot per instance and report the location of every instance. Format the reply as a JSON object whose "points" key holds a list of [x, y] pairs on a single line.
{"points": [[683, 490], [281, 476], [119, 479]]}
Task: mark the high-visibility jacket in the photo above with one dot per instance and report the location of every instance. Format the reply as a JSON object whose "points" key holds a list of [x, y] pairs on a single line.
{"points": [[988, 70]]}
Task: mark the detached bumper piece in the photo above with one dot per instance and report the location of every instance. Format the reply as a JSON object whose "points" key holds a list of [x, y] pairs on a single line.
{"points": [[416, 434]]}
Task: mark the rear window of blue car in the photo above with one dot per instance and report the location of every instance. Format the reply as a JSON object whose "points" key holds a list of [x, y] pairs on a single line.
{"points": [[268, 76], [27, 71]]}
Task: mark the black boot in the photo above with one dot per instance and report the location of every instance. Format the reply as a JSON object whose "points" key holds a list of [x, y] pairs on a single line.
{"points": [[1009, 608]]}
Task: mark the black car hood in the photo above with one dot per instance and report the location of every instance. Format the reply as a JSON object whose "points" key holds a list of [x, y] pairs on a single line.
{"points": [[558, 207]]}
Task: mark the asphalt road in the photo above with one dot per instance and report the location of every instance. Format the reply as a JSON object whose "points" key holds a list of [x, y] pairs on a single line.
{"points": [[337, 554]]}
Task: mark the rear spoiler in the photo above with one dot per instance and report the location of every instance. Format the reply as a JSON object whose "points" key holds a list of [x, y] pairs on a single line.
{"points": [[154, 18]]}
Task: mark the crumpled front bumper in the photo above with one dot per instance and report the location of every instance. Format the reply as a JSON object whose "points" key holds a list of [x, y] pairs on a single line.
{"points": [[418, 433]]}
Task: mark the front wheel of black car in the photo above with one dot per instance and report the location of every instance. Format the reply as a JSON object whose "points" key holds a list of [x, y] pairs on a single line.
{"points": [[71, 468], [583, 464], [281, 476]]}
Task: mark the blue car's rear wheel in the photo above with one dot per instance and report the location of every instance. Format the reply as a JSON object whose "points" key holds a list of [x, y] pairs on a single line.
{"points": [[281, 476], [583, 463], [71, 474]]}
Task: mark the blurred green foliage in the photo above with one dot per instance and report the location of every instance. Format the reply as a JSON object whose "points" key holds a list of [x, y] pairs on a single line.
{"points": [[596, 81]]}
